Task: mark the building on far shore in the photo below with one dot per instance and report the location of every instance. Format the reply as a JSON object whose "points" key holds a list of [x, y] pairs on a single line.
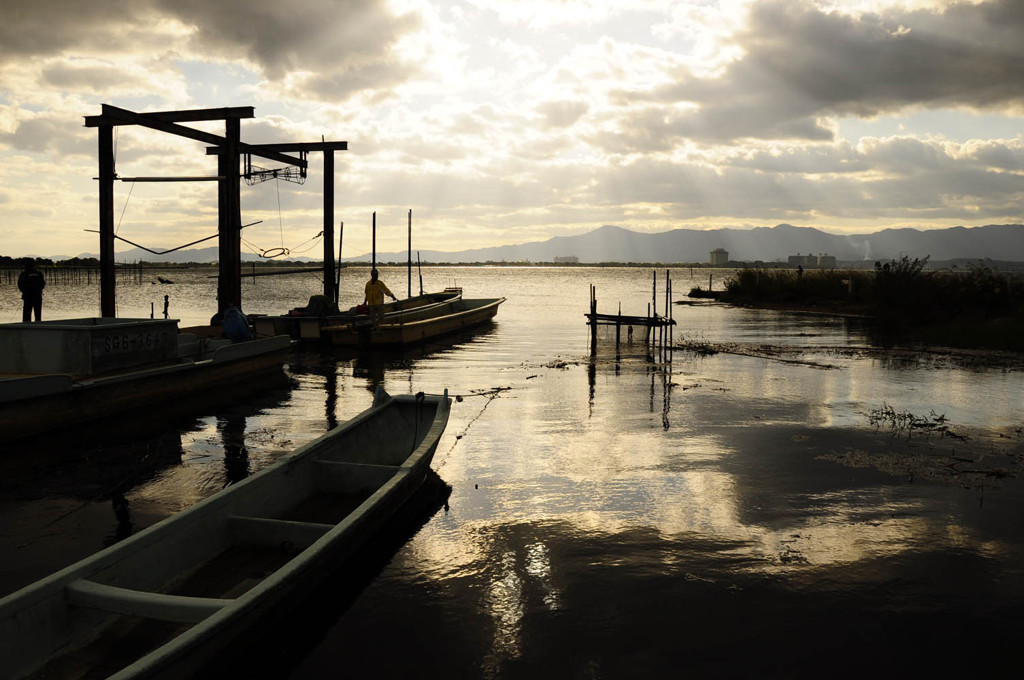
{"points": [[566, 259], [719, 256], [820, 261]]}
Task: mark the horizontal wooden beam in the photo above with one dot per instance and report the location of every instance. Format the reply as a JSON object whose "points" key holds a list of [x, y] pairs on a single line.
{"points": [[185, 116], [205, 178], [294, 147], [113, 115]]}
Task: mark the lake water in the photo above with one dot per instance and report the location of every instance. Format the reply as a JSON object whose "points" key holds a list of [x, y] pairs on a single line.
{"points": [[765, 510]]}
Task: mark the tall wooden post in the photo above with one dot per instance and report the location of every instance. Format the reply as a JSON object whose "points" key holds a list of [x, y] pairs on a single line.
{"points": [[409, 294], [373, 256], [229, 282], [330, 289], [108, 270]]}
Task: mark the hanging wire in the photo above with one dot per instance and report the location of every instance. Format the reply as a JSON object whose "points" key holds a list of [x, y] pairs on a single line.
{"points": [[280, 224], [128, 198]]}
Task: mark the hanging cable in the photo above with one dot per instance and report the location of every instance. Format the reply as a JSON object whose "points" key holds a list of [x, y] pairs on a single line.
{"points": [[130, 189], [280, 224]]}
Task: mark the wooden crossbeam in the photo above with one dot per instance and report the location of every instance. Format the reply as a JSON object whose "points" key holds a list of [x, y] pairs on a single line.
{"points": [[185, 116], [113, 115], [288, 147]]}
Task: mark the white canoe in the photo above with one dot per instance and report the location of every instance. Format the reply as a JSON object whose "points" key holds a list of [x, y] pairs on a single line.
{"points": [[417, 325], [219, 569]]}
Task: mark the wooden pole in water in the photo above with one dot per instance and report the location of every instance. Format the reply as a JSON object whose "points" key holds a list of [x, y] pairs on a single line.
{"points": [[373, 260], [108, 270], [337, 287], [593, 319], [330, 289], [618, 326], [409, 294], [419, 269]]}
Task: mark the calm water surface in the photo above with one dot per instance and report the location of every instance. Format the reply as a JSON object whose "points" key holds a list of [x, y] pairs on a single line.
{"points": [[722, 515]]}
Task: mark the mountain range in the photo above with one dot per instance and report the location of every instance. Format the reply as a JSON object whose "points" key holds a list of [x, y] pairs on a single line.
{"points": [[767, 244], [1001, 242]]}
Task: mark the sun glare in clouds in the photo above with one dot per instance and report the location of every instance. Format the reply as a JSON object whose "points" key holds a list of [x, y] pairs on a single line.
{"points": [[502, 122]]}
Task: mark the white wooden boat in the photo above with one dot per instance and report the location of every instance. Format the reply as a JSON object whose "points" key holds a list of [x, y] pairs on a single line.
{"points": [[306, 323], [417, 325], [66, 373], [205, 578]]}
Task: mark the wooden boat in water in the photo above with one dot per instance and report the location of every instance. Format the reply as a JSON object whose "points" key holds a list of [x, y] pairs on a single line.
{"points": [[187, 587], [69, 372], [417, 325], [305, 323]]}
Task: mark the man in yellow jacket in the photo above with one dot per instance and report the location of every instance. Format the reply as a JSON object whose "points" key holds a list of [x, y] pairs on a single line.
{"points": [[374, 297]]}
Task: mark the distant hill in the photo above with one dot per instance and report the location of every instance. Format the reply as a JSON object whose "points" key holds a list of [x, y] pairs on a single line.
{"points": [[1002, 242], [769, 244]]}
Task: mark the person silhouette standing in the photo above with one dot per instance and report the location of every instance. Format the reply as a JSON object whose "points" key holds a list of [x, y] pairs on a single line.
{"points": [[31, 284], [374, 293]]}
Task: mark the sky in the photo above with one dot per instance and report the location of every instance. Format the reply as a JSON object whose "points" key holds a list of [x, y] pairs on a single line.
{"points": [[508, 122]]}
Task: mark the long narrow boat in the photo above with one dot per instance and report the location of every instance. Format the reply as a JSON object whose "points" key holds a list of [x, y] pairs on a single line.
{"points": [[205, 578], [306, 323], [417, 325], [67, 373]]}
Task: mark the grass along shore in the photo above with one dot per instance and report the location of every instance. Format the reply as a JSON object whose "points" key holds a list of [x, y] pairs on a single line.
{"points": [[973, 308]]}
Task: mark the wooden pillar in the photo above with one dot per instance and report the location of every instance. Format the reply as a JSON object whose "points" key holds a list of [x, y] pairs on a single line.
{"points": [[229, 282], [108, 270], [330, 287], [409, 294]]}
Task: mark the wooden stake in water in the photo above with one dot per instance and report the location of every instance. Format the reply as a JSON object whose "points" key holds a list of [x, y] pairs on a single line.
{"points": [[337, 288], [410, 254]]}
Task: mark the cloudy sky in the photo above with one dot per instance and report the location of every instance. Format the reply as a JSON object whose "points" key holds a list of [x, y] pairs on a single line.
{"points": [[507, 122]]}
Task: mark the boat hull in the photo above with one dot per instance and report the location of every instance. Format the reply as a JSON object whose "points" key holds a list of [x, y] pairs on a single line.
{"points": [[309, 326], [417, 327], [36, 404], [294, 510]]}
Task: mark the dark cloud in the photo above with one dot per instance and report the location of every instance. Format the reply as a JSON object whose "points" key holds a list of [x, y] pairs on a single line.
{"points": [[50, 133], [329, 36], [348, 44], [560, 114], [801, 65], [38, 28], [896, 178], [92, 78]]}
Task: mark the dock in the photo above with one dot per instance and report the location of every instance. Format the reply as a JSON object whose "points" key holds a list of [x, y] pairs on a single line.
{"points": [[653, 329]]}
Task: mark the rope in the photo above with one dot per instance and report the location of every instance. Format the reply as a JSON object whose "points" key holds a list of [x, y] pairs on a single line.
{"points": [[491, 395], [128, 198]]}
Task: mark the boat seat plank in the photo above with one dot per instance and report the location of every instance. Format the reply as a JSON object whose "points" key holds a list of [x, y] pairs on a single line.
{"points": [[275, 533], [341, 477], [160, 606]]}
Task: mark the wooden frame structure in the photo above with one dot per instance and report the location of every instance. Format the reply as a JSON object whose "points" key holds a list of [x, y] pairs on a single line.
{"points": [[228, 149]]}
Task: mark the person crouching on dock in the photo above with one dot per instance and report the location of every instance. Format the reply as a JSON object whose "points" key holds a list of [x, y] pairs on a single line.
{"points": [[374, 298]]}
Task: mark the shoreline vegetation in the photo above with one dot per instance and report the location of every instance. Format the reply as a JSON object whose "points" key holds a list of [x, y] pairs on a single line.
{"points": [[901, 301]]}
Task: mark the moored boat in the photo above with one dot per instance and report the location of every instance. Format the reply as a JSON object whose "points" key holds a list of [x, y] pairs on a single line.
{"points": [[417, 325], [305, 323], [65, 373], [193, 584]]}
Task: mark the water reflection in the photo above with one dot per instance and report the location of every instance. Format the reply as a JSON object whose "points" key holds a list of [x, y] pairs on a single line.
{"points": [[236, 455]]}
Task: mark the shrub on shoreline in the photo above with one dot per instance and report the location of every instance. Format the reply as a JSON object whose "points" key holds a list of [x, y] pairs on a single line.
{"points": [[978, 307]]}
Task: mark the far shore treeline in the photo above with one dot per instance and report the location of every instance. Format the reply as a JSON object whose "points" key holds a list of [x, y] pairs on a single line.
{"points": [[7, 262]]}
